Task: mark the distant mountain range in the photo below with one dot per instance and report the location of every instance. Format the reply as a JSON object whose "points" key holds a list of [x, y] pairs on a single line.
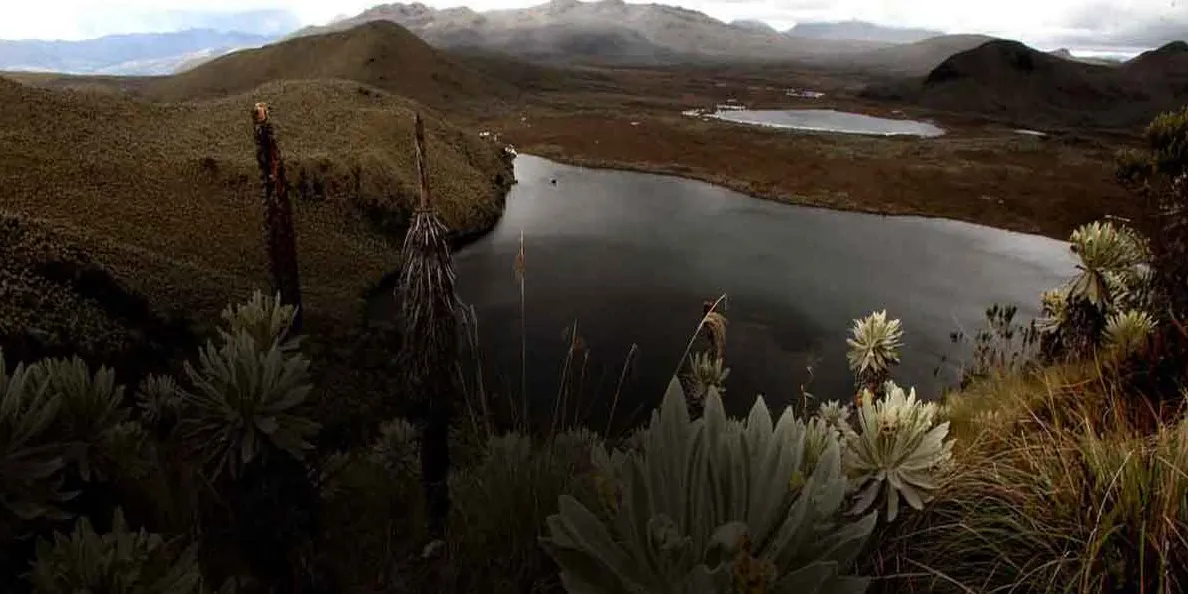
{"points": [[606, 31], [855, 30], [132, 54], [911, 59], [557, 32]]}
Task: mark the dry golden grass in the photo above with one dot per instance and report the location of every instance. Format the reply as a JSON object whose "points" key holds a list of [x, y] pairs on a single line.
{"points": [[1064, 483], [167, 195]]}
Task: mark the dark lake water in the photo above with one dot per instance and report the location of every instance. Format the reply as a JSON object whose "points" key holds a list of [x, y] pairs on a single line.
{"points": [[631, 257], [828, 120]]}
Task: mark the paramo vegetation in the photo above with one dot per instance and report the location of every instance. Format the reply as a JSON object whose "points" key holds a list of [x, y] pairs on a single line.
{"points": [[1060, 465]]}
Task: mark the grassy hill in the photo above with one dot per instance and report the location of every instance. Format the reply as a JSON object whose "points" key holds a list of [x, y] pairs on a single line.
{"points": [[164, 197], [1007, 80], [1164, 68], [380, 53]]}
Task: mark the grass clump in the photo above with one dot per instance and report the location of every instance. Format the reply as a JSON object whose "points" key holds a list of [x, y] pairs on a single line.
{"points": [[1062, 485]]}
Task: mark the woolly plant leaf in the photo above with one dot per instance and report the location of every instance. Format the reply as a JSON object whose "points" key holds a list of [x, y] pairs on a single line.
{"points": [[899, 448], [31, 459], [117, 562], [245, 404], [710, 505]]}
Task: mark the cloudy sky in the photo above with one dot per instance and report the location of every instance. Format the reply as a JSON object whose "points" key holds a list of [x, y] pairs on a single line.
{"points": [[1082, 22]]}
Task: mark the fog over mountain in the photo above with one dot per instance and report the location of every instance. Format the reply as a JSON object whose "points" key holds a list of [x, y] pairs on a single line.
{"points": [[861, 30], [1052, 23], [157, 37]]}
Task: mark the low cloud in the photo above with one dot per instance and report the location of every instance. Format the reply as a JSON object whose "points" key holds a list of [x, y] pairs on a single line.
{"points": [[1141, 23]]}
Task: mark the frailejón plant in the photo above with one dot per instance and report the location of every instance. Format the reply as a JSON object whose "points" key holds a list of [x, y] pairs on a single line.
{"points": [[265, 318], [159, 401], [706, 371], [711, 506], [899, 448], [30, 460], [1127, 332], [874, 348], [1104, 249], [396, 449], [244, 404], [118, 562], [93, 418], [835, 413]]}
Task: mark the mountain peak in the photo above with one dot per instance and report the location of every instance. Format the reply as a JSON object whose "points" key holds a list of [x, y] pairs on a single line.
{"points": [[1174, 47]]}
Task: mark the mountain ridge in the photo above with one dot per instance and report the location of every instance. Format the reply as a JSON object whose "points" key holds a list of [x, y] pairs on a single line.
{"points": [[858, 30], [380, 54], [130, 53], [1008, 80], [604, 31]]}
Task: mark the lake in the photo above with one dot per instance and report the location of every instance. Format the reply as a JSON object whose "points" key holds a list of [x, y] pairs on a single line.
{"points": [[632, 257], [828, 120]]}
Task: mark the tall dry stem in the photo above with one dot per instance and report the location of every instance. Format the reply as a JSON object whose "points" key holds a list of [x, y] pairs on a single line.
{"points": [[430, 309], [715, 323], [619, 387], [280, 239], [519, 267]]}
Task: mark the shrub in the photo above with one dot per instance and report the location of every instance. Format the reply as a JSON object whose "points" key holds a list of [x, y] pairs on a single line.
{"points": [[711, 505]]}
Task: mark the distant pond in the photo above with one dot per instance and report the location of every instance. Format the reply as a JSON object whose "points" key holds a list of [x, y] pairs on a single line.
{"points": [[828, 120], [632, 257]]}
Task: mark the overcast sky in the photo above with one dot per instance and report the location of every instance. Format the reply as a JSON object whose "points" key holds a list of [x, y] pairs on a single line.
{"points": [[1106, 22]]}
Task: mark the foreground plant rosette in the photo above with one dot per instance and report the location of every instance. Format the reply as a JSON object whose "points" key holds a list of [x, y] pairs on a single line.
{"points": [[713, 505], [899, 449]]}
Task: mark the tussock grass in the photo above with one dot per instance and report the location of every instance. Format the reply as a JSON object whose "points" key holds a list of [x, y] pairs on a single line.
{"points": [[1065, 483]]}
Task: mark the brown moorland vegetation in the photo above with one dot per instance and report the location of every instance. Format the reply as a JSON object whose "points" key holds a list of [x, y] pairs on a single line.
{"points": [[166, 196], [978, 174], [980, 171]]}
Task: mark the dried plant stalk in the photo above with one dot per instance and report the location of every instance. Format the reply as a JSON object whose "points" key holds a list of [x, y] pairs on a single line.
{"points": [[429, 308], [280, 239]]}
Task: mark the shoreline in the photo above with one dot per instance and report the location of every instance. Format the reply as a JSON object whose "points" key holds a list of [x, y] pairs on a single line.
{"points": [[461, 238], [743, 187]]}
